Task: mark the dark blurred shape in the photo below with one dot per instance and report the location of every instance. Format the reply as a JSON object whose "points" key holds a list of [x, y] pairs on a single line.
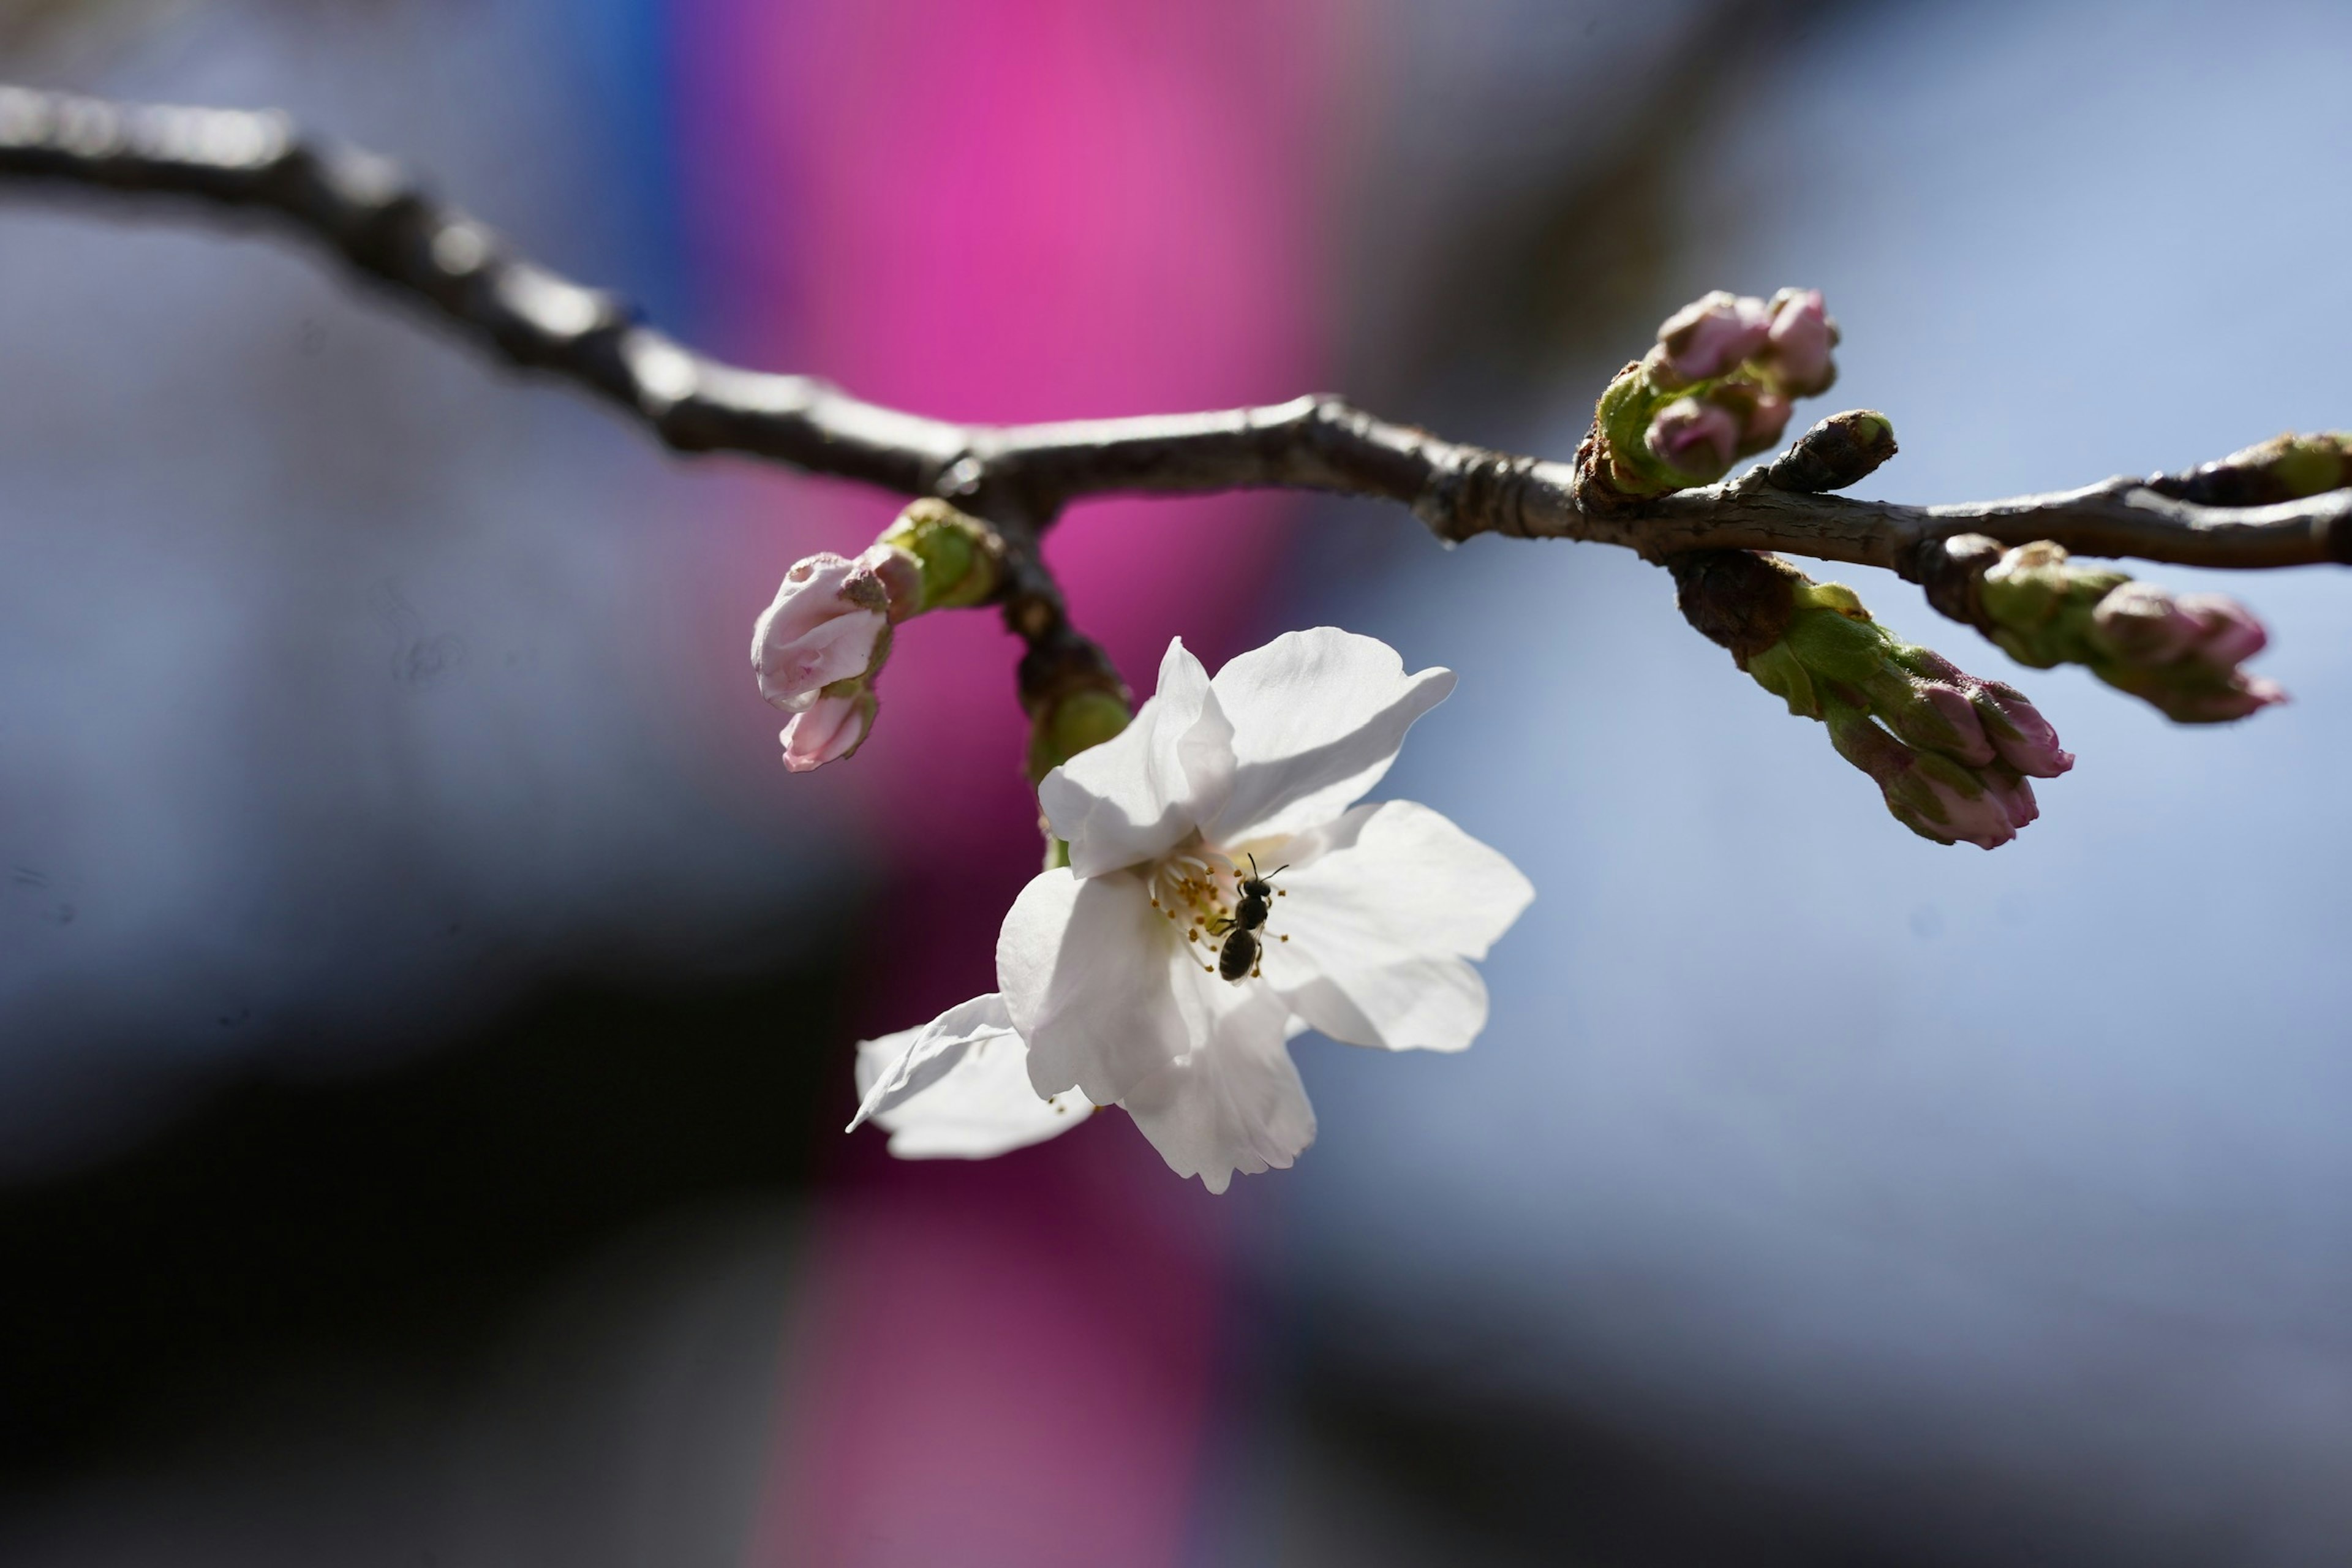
{"points": [[402, 1213]]}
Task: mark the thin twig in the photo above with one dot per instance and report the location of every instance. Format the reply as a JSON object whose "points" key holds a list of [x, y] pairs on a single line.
{"points": [[366, 211]]}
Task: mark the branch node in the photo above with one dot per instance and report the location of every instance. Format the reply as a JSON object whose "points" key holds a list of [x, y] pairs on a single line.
{"points": [[1951, 569]]}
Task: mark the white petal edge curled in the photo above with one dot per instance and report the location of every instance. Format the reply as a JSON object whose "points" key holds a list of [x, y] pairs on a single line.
{"points": [[958, 1088]]}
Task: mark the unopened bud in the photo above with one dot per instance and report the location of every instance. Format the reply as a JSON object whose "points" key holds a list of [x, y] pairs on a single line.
{"points": [[1932, 714], [1933, 795], [829, 623], [2013, 728], [1696, 439], [1718, 386], [1842, 450], [2286, 467], [830, 727], [2179, 653], [1796, 352], [1950, 751], [1711, 335], [2024, 739]]}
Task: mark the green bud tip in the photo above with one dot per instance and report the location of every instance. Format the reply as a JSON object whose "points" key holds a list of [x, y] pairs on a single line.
{"points": [[1086, 717]]}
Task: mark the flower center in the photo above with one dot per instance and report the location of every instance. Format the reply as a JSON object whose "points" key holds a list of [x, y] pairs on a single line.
{"points": [[1204, 895], [1194, 887]]}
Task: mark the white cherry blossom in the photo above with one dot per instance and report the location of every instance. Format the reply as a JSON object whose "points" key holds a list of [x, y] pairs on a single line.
{"points": [[1109, 992]]}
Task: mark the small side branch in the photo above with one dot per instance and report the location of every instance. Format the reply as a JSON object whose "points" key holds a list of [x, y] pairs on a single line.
{"points": [[368, 212]]}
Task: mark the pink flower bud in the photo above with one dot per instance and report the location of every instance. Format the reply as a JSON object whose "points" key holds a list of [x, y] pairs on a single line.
{"points": [[1766, 420], [1988, 818], [2014, 796], [1969, 742], [2181, 653], [2145, 625], [1695, 439], [2244, 695], [2024, 739], [829, 729], [2227, 632], [1709, 336], [1798, 341], [829, 622], [1931, 795]]}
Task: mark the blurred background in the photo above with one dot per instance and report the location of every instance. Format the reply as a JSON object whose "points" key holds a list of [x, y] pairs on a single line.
{"points": [[425, 1005]]}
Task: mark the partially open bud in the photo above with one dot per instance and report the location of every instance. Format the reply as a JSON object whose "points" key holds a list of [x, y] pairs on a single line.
{"points": [[1710, 336], [829, 622], [830, 727], [1796, 352]]}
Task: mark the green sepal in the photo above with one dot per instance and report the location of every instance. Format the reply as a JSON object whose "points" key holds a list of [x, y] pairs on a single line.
{"points": [[955, 553], [1781, 673], [1836, 645]]}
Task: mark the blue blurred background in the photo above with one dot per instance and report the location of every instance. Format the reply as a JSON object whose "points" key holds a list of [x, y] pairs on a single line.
{"points": [[425, 1005]]}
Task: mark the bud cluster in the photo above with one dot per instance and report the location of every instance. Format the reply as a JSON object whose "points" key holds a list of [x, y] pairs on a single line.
{"points": [[1950, 753], [1718, 386], [2179, 652], [817, 649]]}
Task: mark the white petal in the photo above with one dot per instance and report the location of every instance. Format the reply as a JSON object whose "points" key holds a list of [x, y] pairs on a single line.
{"points": [[1132, 798], [959, 1087], [1383, 909], [1104, 989], [1233, 1105], [897, 1068], [1317, 717]]}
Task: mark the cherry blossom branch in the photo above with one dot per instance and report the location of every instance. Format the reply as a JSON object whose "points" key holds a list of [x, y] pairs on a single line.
{"points": [[367, 212]]}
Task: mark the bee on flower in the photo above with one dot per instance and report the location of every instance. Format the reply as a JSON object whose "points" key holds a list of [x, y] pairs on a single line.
{"points": [[1112, 988]]}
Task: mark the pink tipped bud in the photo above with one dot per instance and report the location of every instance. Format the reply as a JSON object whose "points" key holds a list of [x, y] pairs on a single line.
{"points": [[1931, 795], [2014, 796], [2227, 632], [1962, 809], [1709, 336], [828, 728], [830, 622], [2144, 625], [1798, 342], [2242, 696], [1697, 440], [2181, 653], [1957, 715], [2025, 739]]}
